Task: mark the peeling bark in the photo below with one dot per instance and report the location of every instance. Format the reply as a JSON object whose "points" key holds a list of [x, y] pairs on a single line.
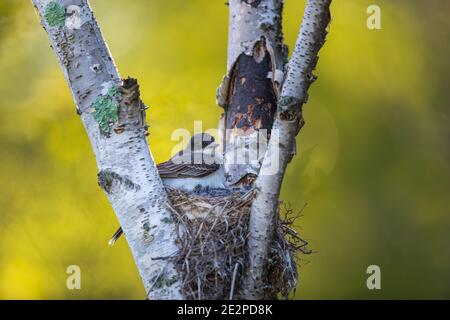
{"points": [[114, 118], [288, 122], [249, 91], [251, 109]]}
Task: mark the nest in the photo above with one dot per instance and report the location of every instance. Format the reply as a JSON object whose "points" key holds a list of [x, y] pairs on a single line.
{"points": [[213, 233]]}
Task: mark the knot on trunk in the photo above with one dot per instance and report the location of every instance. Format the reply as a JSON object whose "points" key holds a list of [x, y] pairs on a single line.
{"points": [[252, 3]]}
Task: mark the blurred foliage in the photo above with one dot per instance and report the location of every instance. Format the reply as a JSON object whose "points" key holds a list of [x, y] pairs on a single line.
{"points": [[373, 162]]}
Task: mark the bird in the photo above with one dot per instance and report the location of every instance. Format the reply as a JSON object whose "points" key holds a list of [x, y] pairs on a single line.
{"points": [[198, 166]]}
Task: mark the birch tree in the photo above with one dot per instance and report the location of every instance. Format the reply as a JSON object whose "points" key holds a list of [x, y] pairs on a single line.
{"points": [[262, 94]]}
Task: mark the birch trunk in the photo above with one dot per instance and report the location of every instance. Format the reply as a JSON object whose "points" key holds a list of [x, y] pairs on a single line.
{"points": [[114, 118], [249, 91], [288, 122]]}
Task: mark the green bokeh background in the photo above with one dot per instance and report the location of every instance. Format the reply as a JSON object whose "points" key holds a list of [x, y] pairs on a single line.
{"points": [[373, 162]]}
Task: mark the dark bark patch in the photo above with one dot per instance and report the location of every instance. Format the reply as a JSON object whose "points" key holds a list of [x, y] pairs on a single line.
{"points": [[252, 100], [252, 3], [250, 108]]}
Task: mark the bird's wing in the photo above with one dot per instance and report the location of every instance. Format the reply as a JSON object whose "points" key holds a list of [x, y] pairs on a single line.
{"points": [[170, 169]]}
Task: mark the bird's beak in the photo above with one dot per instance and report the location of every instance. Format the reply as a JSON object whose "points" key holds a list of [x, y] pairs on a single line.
{"points": [[213, 145]]}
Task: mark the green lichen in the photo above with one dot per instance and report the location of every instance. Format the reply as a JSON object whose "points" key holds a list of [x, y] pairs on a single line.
{"points": [[162, 281], [106, 178], [55, 14], [288, 102], [105, 110], [171, 281], [113, 91]]}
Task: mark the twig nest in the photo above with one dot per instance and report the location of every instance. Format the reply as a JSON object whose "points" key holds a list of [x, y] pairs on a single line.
{"points": [[213, 233]]}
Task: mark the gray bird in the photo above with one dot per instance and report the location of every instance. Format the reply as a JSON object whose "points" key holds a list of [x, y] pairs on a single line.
{"points": [[198, 165]]}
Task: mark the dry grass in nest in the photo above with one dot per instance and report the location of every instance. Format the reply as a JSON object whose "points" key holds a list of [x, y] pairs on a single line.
{"points": [[213, 234]]}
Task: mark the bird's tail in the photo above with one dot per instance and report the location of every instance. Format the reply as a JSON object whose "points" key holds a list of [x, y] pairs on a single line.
{"points": [[115, 237]]}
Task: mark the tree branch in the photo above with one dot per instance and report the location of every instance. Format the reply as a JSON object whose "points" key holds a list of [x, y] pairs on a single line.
{"points": [[288, 122], [114, 118], [249, 91]]}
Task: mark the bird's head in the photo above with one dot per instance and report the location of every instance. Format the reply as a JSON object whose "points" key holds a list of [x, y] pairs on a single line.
{"points": [[200, 149], [201, 141]]}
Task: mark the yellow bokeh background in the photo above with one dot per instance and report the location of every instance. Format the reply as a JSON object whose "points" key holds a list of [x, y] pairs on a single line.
{"points": [[373, 159]]}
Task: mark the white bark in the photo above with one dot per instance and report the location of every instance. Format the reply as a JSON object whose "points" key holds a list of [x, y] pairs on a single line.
{"points": [[288, 122], [127, 171], [248, 22], [255, 29]]}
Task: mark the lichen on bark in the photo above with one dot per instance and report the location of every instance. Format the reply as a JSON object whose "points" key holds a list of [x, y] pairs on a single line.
{"points": [[107, 177], [55, 14], [105, 110], [163, 281]]}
